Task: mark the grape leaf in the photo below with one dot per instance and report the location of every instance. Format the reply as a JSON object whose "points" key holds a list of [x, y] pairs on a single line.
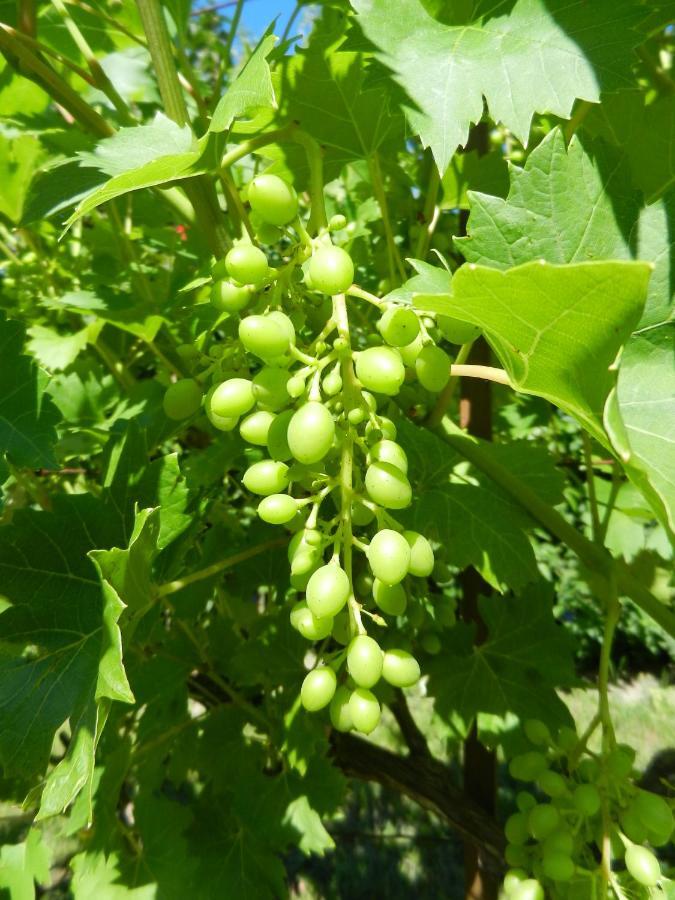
{"points": [[557, 330], [28, 417], [22, 865], [470, 171], [525, 658], [58, 187], [568, 205], [251, 89], [645, 134], [56, 351], [123, 311], [19, 158], [131, 148], [523, 57]]}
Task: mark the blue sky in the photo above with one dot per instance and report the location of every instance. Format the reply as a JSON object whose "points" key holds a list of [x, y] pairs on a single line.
{"points": [[258, 14]]}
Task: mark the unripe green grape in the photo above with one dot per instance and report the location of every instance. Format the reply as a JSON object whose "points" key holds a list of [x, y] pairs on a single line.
{"points": [[431, 643], [558, 866], [309, 626], [296, 386], [337, 222], [364, 710], [384, 430], [559, 842], [537, 732], [380, 369], [642, 865], [542, 820], [266, 477], [318, 688], [188, 352], [364, 661], [516, 855], [341, 628], [525, 801], [331, 270], [552, 783], [332, 383], [421, 554], [411, 351], [273, 199], [456, 331], [512, 879], [400, 668], [270, 387], [391, 598], [516, 830], [588, 769], [246, 264], [267, 234], [388, 486], [432, 368], [311, 432], [255, 427], [222, 423], [528, 890], [586, 799], [340, 715], [356, 415], [233, 397], [219, 270], [361, 515], [389, 556], [303, 556], [182, 399], [399, 326], [389, 452], [619, 762], [277, 509], [229, 297], [263, 336], [328, 590], [528, 766], [277, 436], [284, 322]]}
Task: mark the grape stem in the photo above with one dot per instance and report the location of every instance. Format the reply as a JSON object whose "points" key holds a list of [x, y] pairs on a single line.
{"points": [[488, 373], [356, 291]]}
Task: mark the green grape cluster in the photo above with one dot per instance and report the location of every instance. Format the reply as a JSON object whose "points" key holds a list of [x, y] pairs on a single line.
{"points": [[557, 833], [313, 395]]}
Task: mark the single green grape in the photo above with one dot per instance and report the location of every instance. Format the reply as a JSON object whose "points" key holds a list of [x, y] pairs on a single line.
{"points": [[364, 660], [284, 322], [361, 515], [528, 890], [588, 769], [516, 830], [643, 865], [277, 436], [341, 628], [542, 820], [229, 297], [182, 399], [340, 715], [318, 688], [432, 368], [384, 430], [528, 766], [311, 432], [619, 762], [537, 732], [364, 710], [222, 423], [332, 383], [389, 556], [255, 427], [266, 477], [310, 626], [296, 386], [586, 799], [552, 783], [558, 866], [328, 590], [233, 397], [388, 486], [303, 556], [277, 509], [421, 554], [560, 841], [389, 452], [331, 270], [264, 337], [399, 326], [400, 668], [512, 879], [525, 801], [456, 331], [380, 369], [337, 222], [270, 388], [431, 643], [391, 598], [516, 855], [273, 199], [246, 264]]}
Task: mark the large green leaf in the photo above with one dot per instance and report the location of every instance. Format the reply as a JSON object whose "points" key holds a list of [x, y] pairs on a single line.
{"points": [[524, 659], [131, 148], [251, 90], [523, 57], [557, 330], [571, 204], [28, 417], [19, 158]]}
